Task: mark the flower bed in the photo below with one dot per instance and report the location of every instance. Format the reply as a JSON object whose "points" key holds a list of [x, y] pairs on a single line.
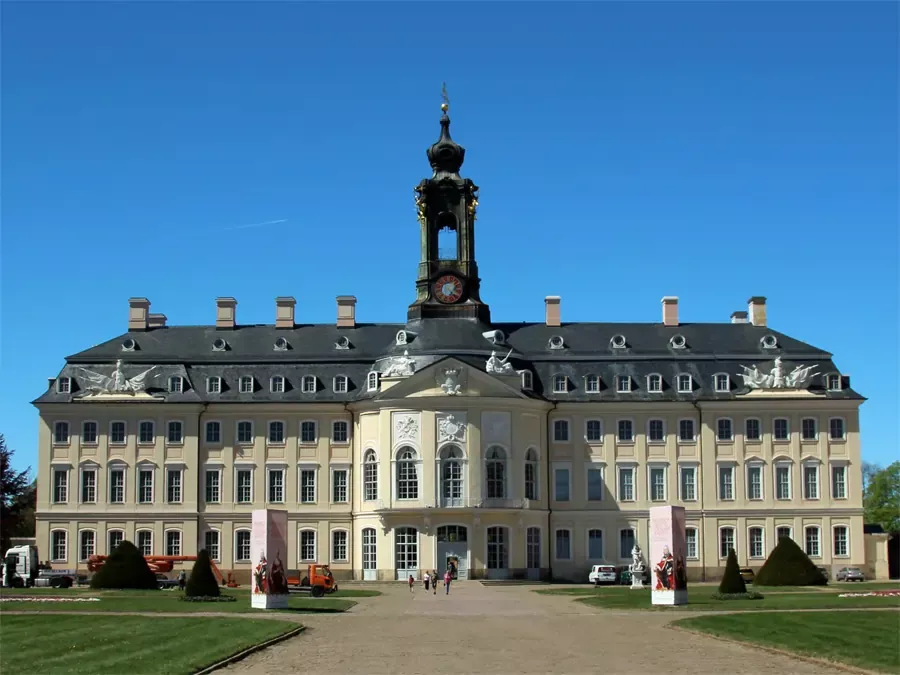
{"points": [[871, 594], [44, 598], [208, 598]]}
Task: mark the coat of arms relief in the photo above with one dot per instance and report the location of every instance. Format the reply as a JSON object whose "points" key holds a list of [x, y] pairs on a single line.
{"points": [[451, 427]]}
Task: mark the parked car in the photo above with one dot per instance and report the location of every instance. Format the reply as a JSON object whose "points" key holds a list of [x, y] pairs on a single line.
{"points": [[625, 576], [164, 582], [850, 574], [602, 574]]}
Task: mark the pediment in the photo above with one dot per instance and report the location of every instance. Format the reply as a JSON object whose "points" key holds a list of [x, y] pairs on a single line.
{"points": [[451, 378]]}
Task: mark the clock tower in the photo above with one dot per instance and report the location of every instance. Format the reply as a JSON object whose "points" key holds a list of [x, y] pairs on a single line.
{"points": [[447, 285]]}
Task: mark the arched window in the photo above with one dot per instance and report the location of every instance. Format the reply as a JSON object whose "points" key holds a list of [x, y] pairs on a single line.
{"points": [[451, 476], [370, 476], [407, 474], [495, 472], [531, 474]]}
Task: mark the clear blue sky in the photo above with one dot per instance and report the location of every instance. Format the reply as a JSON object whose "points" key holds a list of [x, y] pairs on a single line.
{"points": [[712, 151]]}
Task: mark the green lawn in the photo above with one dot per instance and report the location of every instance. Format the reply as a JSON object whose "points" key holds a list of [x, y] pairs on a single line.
{"points": [[865, 639], [126, 644], [700, 599]]}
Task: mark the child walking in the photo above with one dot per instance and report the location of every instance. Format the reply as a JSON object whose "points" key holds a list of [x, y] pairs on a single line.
{"points": [[434, 580], [411, 583], [447, 579]]}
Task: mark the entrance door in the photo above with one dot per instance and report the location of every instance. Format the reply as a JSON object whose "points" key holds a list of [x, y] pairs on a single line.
{"points": [[406, 540], [533, 553], [369, 553], [453, 550], [497, 552]]}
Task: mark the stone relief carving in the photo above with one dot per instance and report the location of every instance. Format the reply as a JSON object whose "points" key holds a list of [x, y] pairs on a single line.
{"points": [[406, 428], [117, 383], [495, 427], [400, 366], [776, 378], [450, 380], [500, 366], [451, 428]]}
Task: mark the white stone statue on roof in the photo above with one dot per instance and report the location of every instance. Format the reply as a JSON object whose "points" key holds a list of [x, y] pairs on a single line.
{"points": [[500, 366]]}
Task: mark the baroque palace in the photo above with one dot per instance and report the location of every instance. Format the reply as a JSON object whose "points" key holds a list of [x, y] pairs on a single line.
{"points": [[507, 450]]}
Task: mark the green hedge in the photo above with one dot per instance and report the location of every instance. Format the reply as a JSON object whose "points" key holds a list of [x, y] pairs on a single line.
{"points": [[788, 565], [125, 568], [202, 582], [732, 582]]}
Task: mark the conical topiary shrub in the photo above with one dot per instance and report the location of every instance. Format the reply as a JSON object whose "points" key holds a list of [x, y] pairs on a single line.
{"points": [[732, 581], [788, 565], [125, 568], [202, 582]]}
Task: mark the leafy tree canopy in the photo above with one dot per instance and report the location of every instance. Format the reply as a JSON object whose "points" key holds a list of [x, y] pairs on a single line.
{"points": [[17, 499], [882, 497]]}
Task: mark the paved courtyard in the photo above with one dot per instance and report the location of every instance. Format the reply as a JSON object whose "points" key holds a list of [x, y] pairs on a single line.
{"points": [[491, 629]]}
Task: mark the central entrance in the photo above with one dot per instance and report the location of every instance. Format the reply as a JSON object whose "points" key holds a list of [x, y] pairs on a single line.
{"points": [[453, 550]]}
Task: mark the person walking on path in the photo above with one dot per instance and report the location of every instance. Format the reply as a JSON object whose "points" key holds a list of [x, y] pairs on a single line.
{"points": [[411, 583], [434, 580], [182, 579], [427, 579], [447, 579]]}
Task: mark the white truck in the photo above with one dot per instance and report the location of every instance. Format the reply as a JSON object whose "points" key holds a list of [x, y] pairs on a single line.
{"points": [[21, 569]]}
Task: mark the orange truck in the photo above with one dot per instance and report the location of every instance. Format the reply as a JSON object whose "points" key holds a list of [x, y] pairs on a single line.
{"points": [[316, 580]]}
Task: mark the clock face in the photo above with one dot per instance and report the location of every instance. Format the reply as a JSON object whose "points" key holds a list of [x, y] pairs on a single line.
{"points": [[448, 289]]}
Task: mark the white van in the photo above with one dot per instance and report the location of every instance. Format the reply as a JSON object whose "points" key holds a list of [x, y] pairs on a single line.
{"points": [[602, 574]]}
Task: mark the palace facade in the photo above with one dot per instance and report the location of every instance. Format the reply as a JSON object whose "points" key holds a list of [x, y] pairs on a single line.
{"points": [[509, 450]]}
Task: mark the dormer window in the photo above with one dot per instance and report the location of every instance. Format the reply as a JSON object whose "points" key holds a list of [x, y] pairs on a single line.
{"points": [[281, 345], [768, 342], [723, 383], [213, 385], [655, 383], [556, 342], [833, 382], [402, 337], [592, 384], [618, 342], [246, 384], [623, 384], [527, 380], [176, 384], [372, 381], [219, 345], [560, 384], [63, 385], [678, 342], [276, 384], [308, 384], [685, 383], [342, 343], [340, 384], [129, 345]]}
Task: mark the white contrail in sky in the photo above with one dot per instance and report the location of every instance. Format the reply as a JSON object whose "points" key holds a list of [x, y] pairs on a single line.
{"points": [[268, 222]]}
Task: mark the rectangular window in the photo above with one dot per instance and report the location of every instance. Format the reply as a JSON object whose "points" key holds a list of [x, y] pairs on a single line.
{"points": [[563, 545], [276, 385], [812, 542], [561, 431], [625, 431], [370, 478], [173, 542], [654, 383], [88, 486], [623, 384], [593, 431], [752, 431], [173, 486], [308, 432], [176, 385], [246, 385], [688, 483], [213, 385], [836, 429], [726, 541], [686, 431], [531, 483], [145, 486], [146, 433], [211, 543], [339, 486], [626, 484], [782, 532], [61, 433], [63, 385], [841, 542], [595, 544], [754, 482], [722, 383], [276, 486], [839, 482], [690, 541], [117, 433], [595, 485], [113, 539], [339, 546], [87, 544], [244, 486], [656, 431], [685, 384], [117, 486], [783, 482], [560, 384], [307, 486], [213, 486], [242, 546], [809, 429], [58, 546], [245, 432], [175, 433], [626, 543], [756, 542], [780, 429], [307, 545], [726, 483], [89, 433], [60, 486], [145, 542], [213, 433], [561, 485], [340, 384], [276, 433], [810, 482], [592, 384], [723, 430], [657, 484], [308, 384], [340, 432]]}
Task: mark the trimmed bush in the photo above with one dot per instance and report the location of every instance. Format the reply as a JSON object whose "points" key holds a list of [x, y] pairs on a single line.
{"points": [[125, 568], [788, 565], [732, 581], [202, 582], [208, 598]]}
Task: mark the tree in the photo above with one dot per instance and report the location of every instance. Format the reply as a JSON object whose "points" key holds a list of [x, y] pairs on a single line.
{"points": [[788, 565], [202, 582], [732, 581], [882, 497], [868, 471], [14, 499], [125, 568]]}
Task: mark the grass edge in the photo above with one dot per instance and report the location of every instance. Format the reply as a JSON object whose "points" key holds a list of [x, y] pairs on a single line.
{"points": [[252, 649]]}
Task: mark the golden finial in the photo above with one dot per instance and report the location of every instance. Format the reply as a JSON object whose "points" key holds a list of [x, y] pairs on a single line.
{"points": [[445, 106]]}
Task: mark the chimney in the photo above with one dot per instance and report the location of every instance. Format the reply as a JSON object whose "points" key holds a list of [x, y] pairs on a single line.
{"points": [[670, 310], [225, 312], [50, 382], [757, 310], [284, 312], [739, 317], [156, 321], [552, 311], [138, 313], [346, 311]]}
